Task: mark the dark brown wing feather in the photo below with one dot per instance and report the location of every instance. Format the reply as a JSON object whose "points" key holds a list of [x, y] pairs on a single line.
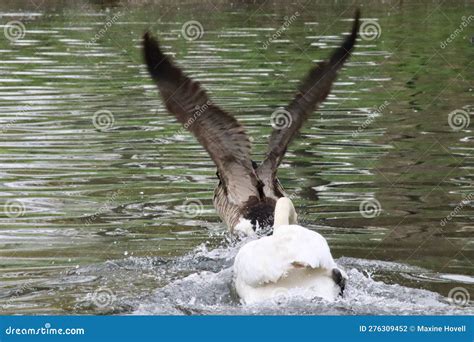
{"points": [[312, 91], [218, 132]]}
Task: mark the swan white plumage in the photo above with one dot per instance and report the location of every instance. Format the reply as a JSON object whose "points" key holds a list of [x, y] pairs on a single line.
{"points": [[293, 258]]}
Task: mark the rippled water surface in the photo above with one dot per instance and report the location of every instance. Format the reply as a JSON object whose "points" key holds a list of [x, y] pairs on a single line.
{"points": [[96, 176]]}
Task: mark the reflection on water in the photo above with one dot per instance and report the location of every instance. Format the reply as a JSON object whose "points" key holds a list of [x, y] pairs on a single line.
{"points": [[95, 174]]}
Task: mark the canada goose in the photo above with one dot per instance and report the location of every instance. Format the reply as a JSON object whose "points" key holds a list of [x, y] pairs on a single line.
{"points": [[246, 195], [292, 258]]}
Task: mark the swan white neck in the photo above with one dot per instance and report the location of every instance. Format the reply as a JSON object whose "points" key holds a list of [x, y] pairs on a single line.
{"points": [[285, 213]]}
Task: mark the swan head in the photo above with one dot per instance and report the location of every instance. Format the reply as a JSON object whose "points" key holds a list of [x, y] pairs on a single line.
{"points": [[285, 213]]}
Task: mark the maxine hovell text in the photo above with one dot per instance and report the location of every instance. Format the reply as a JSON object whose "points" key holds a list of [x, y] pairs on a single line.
{"points": [[413, 328], [441, 328]]}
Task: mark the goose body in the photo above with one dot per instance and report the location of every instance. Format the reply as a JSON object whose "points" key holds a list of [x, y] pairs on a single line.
{"points": [[247, 192], [292, 259]]}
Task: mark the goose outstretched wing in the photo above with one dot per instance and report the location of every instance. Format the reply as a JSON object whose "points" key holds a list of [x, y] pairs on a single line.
{"points": [[219, 133], [313, 90]]}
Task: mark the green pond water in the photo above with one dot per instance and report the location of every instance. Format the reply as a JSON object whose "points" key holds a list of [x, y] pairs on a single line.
{"points": [[94, 171]]}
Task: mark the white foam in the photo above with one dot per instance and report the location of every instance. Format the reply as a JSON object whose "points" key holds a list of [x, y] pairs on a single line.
{"points": [[209, 290]]}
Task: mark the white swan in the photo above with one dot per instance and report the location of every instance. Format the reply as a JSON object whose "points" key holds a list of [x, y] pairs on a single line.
{"points": [[293, 258]]}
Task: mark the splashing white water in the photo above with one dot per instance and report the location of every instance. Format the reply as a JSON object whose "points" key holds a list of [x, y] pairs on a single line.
{"points": [[208, 289]]}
